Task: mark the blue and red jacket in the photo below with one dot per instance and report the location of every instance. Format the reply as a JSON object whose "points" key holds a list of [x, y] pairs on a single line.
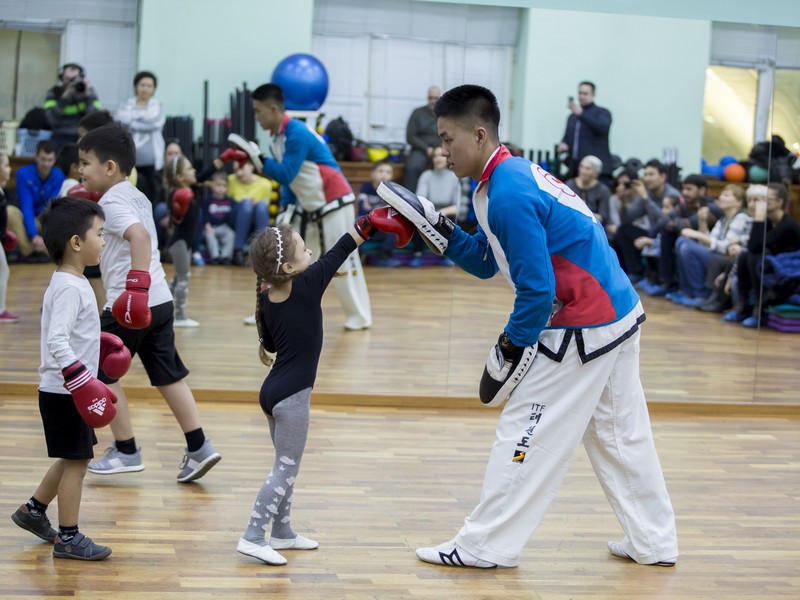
{"points": [[304, 166], [550, 247]]}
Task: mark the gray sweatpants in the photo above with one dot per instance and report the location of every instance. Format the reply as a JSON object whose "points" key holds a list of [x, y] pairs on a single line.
{"points": [[288, 428], [179, 286]]}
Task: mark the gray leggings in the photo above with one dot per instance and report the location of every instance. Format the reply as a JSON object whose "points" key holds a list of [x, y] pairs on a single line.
{"points": [[179, 286], [288, 428]]}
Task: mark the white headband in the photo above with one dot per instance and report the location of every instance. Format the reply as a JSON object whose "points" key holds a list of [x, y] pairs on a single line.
{"points": [[280, 248], [175, 166]]}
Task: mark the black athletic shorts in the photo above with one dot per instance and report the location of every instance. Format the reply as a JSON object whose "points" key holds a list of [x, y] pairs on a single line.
{"points": [[66, 434], [155, 345]]}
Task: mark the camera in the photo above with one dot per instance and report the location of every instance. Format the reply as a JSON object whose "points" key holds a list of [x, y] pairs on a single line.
{"points": [[79, 84], [627, 184]]}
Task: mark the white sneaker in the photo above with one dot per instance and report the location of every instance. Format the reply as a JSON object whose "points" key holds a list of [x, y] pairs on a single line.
{"points": [[356, 326], [451, 554], [262, 553], [298, 543], [617, 549], [251, 320], [185, 323]]}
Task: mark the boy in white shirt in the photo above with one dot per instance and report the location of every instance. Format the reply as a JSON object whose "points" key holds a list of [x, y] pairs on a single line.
{"points": [[139, 307], [71, 351]]}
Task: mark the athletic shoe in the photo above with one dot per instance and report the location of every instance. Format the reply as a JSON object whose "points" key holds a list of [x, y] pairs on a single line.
{"points": [[635, 277], [751, 322], [185, 323], [38, 526], [451, 554], [298, 543], [690, 302], [251, 320], [197, 259], [80, 547], [350, 326], [616, 549], [661, 290], [262, 553], [7, 317], [677, 297], [198, 463], [115, 461], [734, 316]]}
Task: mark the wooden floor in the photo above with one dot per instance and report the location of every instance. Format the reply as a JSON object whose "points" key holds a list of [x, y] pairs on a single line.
{"points": [[432, 331], [377, 483], [402, 471]]}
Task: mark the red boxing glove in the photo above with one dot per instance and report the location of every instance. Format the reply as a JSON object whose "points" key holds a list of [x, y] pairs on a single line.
{"points": [[181, 200], [131, 309], [115, 358], [10, 240], [388, 220], [80, 191], [232, 154], [93, 398]]}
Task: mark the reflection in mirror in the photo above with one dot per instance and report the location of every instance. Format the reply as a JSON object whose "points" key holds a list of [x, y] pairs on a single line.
{"points": [[777, 376]]}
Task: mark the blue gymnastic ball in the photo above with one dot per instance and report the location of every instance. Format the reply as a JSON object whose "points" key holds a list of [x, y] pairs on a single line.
{"points": [[304, 82]]}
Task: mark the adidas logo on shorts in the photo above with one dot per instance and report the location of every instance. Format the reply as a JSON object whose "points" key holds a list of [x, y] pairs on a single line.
{"points": [[98, 406]]}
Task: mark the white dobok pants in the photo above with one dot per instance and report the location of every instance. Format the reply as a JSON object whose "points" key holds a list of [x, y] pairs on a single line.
{"points": [[555, 407]]}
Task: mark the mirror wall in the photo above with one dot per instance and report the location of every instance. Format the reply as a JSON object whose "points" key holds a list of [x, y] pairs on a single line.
{"points": [[777, 373]]}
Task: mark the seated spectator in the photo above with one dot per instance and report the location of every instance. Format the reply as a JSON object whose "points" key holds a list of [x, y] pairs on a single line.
{"points": [[774, 232], [66, 104], [368, 193], [217, 221], [378, 250], [252, 195], [145, 116], [638, 215], [696, 247], [721, 271], [37, 185], [440, 185], [67, 161], [591, 190]]}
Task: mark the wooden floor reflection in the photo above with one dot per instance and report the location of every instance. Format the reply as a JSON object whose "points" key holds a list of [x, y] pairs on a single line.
{"points": [[433, 327]]}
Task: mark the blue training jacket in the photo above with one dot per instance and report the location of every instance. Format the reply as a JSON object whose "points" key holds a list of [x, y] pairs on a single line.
{"points": [[549, 246]]}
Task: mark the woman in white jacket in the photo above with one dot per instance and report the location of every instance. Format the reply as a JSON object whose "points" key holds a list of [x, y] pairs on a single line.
{"points": [[145, 117]]}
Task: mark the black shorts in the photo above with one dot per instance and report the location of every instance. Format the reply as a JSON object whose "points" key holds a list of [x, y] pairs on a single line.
{"points": [[92, 272], [66, 434], [154, 344]]}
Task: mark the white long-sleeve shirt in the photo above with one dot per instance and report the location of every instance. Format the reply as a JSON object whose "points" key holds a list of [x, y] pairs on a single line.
{"points": [[146, 125], [70, 330]]}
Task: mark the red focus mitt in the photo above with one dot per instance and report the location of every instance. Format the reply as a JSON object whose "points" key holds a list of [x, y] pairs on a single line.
{"points": [[10, 240], [80, 191], [115, 358], [93, 398], [181, 200]]}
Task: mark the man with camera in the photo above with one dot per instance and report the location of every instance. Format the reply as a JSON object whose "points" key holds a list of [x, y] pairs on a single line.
{"points": [[68, 103]]}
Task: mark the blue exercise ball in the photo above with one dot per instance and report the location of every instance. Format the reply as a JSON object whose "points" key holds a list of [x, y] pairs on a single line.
{"points": [[727, 160], [304, 81]]}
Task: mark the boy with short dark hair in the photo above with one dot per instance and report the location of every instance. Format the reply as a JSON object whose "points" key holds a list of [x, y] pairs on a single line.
{"points": [[139, 307], [71, 351]]}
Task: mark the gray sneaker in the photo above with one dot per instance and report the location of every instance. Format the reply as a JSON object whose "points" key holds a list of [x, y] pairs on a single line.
{"points": [[80, 548], [198, 463], [114, 461], [38, 526]]}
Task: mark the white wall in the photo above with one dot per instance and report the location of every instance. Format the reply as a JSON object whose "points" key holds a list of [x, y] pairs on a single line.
{"points": [[649, 72], [227, 43]]}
